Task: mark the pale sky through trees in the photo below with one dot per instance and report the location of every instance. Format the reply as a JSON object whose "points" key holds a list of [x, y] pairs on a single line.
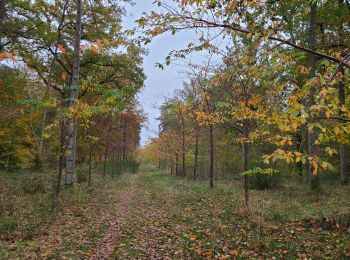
{"points": [[159, 83]]}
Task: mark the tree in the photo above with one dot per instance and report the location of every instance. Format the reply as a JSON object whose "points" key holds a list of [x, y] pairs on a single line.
{"points": [[70, 163], [312, 64]]}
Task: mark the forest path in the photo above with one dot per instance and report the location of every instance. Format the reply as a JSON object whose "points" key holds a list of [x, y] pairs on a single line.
{"points": [[156, 225], [115, 224]]}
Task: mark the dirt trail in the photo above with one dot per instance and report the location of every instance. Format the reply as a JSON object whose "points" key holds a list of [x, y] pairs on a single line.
{"points": [[105, 247]]}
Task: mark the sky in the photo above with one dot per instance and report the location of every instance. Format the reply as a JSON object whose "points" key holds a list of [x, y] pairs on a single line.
{"points": [[159, 83]]}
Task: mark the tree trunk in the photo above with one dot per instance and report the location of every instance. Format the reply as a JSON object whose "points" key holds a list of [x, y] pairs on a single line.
{"points": [[10, 155], [90, 162], [106, 149], [312, 179], [2, 18], [60, 165], [245, 148], [43, 123], [114, 166], [183, 152], [299, 148], [72, 133], [342, 148], [211, 144], [196, 155], [124, 140], [177, 165]]}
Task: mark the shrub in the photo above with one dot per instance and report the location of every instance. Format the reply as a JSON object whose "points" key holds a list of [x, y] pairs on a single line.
{"points": [[37, 163], [132, 166], [33, 184], [8, 225], [263, 179], [82, 173], [127, 166], [118, 169], [265, 182], [6, 207]]}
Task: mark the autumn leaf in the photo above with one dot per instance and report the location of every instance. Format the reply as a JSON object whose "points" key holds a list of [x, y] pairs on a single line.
{"points": [[7, 55], [61, 47], [64, 76], [94, 48]]}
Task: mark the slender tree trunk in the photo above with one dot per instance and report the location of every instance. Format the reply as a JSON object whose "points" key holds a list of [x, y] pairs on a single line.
{"points": [[114, 165], [60, 164], [177, 165], [43, 123], [312, 179], [72, 133], [2, 18], [211, 144], [342, 148], [343, 164], [106, 149], [196, 155], [90, 162], [2, 14], [165, 164], [299, 148], [245, 149], [183, 151], [124, 140], [10, 155]]}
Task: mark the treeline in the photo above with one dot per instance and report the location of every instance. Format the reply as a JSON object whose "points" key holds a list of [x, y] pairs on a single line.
{"points": [[69, 76], [277, 100]]}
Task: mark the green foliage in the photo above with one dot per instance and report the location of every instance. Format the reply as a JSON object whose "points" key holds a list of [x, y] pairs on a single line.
{"points": [[132, 166], [33, 184], [263, 178], [82, 172], [17, 146], [37, 163], [8, 224], [259, 171], [316, 186], [265, 182], [117, 170]]}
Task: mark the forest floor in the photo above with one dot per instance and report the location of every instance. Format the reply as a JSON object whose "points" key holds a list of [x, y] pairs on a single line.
{"points": [[151, 215]]}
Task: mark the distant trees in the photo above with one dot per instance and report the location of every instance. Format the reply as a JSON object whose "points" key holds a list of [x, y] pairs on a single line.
{"points": [[18, 139]]}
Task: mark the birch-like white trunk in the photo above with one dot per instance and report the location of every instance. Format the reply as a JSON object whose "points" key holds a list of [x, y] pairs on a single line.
{"points": [[72, 133]]}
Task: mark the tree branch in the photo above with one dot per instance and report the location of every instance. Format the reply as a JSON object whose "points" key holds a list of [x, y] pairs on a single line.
{"points": [[273, 38]]}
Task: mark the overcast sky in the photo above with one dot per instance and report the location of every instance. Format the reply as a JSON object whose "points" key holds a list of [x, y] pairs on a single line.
{"points": [[159, 83]]}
